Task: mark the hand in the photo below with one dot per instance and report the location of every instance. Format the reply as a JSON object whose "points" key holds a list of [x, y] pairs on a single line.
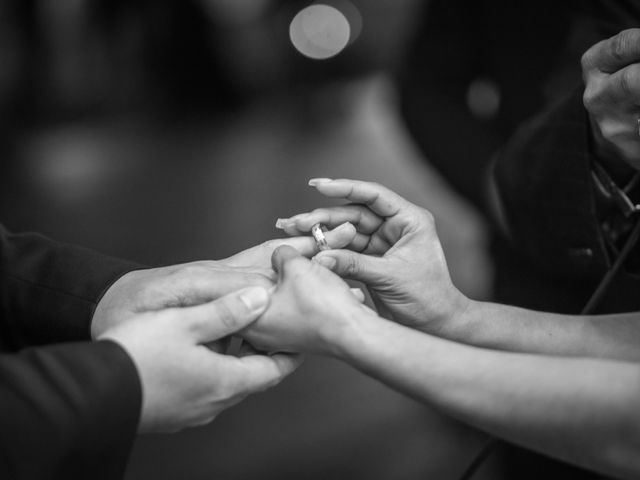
{"points": [[184, 384], [198, 282], [396, 252], [310, 309], [611, 72]]}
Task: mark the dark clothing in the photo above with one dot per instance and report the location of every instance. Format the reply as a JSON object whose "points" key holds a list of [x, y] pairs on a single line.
{"points": [[546, 189], [529, 53], [67, 410]]}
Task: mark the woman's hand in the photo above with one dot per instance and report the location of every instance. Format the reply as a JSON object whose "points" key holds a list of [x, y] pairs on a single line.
{"points": [[311, 309], [396, 252], [258, 258]]}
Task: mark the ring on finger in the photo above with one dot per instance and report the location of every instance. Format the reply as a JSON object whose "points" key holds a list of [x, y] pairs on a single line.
{"points": [[318, 234]]}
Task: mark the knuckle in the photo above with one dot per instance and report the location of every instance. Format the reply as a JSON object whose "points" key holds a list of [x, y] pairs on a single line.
{"points": [[351, 265], [591, 97], [587, 59], [618, 45], [191, 270], [628, 81]]}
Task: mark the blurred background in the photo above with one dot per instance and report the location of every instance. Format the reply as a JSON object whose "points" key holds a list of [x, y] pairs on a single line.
{"points": [[171, 131]]}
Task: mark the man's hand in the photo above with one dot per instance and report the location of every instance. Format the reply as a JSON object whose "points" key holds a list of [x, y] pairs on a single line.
{"points": [[310, 310], [198, 282], [611, 72], [396, 252], [184, 383]]}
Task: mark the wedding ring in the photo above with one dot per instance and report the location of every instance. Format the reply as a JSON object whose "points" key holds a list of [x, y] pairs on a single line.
{"points": [[318, 234]]}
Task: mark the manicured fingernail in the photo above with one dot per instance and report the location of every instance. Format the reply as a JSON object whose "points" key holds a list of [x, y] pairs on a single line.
{"points": [[255, 298], [281, 223], [317, 181], [342, 226], [326, 261]]}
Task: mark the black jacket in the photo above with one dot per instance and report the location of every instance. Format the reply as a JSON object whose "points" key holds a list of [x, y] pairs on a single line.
{"points": [[69, 408]]}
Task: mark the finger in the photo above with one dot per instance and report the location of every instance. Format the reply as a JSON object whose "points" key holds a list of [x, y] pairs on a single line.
{"points": [[352, 265], [358, 293], [225, 316], [260, 372], [343, 236], [282, 255], [617, 52], [380, 199], [360, 216], [623, 86]]}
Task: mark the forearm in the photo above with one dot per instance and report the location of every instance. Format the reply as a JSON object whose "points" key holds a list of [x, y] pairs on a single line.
{"points": [[513, 329], [579, 410]]}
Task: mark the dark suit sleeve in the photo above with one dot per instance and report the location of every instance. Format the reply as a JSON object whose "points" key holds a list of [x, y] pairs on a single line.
{"points": [[544, 189], [49, 290], [67, 411]]}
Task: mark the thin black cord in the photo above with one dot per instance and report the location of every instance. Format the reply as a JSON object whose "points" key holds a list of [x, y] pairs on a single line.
{"points": [[480, 458], [593, 302], [613, 271]]}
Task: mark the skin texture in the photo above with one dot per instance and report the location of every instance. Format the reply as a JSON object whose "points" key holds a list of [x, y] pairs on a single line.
{"points": [[397, 254], [173, 321], [184, 383], [581, 410], [198, 282], [396, 251], [611, 72]]}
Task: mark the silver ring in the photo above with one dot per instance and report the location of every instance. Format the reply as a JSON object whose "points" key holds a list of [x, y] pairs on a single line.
{"points": [[318, 234]]}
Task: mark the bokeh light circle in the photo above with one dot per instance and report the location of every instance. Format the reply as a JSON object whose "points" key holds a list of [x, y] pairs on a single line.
{"points": [[319, 31]]}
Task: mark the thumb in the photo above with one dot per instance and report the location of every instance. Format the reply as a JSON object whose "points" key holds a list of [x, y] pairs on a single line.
{"points": [[225, 316], [351, 265]]}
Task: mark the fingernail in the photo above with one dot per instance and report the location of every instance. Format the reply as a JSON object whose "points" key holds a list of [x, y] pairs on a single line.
{"points": [[326, 261], [255, 298], [317, 181], [281, 223], [342, 226]]}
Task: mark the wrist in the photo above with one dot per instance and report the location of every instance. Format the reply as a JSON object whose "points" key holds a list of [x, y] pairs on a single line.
{"points": [[111, 299], [451, 321], [342, 341]]}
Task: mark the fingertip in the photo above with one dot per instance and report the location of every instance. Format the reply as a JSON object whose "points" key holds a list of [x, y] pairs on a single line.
{"points": [[282, 223], [281, 254], [314, 182], [255, 299], [287, 362]]}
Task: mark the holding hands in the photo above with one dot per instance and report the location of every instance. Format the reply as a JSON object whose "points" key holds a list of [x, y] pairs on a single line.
{"points": [[171, 321], [395, 252], [184, 383]]}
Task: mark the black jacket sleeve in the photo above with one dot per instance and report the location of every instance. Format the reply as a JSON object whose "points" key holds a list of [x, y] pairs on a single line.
{"points": [[67, 411], [49, 290]]}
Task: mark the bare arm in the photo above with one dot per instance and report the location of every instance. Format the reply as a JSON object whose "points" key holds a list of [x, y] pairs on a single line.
{"points": [[585, 411], [514, 329], [397, 254]]}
